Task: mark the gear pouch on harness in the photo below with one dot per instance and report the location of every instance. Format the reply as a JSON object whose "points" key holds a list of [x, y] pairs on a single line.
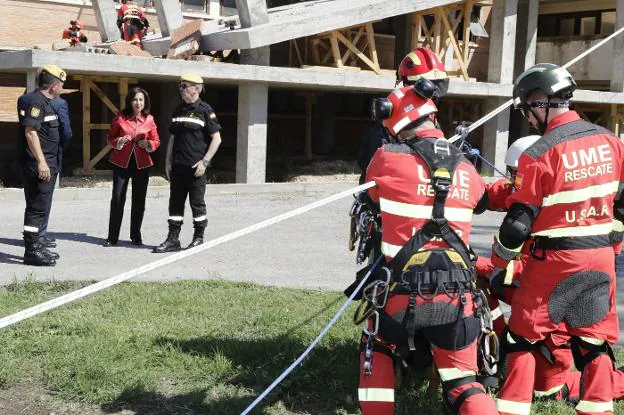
{"points": [[433, 279]]}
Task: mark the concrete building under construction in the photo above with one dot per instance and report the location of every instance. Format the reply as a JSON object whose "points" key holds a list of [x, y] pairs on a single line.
{"points": [[293, 79]]}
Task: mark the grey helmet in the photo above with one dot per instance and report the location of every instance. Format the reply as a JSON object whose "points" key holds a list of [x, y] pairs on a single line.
{"points": [[553, 80]]}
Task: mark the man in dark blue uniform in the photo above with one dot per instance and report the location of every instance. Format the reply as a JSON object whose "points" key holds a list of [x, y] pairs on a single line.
{"points": [[65, 132], [194, 141], [39, 148]]}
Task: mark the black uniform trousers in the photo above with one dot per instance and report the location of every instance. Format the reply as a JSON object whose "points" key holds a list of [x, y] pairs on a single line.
{"points": [[182, 183], [37, 193], [121, 178]]}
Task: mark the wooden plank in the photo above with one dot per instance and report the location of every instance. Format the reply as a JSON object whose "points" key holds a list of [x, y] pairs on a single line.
{"points": [[438, 32], [299, 58], [359, 54], [99, 156], [615, 120], [86, 121], [316, 58], [103, 97], [467, 19], [94, 126], [335, 49], [356, 39], [370, 34], [123, 92], [447, 39], [444, 16], [416, 30]]}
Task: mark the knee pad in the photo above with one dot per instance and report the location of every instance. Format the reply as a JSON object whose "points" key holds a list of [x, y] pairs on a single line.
{"points": [[452, 405], [582, 299], [511, 343], [592, 351], [454, 336]]}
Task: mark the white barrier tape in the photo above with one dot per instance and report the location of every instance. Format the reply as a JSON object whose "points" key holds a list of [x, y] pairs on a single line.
{"points": [[83, 292], [315, 342], [504, 106]]}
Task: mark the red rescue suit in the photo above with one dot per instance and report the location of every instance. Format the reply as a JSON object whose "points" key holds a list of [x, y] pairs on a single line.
{"points": [[566, 186], [405, 196], [133, 23]]}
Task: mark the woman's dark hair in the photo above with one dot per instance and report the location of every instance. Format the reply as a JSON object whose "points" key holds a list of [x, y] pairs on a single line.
{"points": [[127, 111]]}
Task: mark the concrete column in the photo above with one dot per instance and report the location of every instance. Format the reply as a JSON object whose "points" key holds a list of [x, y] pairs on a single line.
{"points": [[251, 132], [253, 98], [617, 74], [495, 137], [502, 41], [500, 70], [106, 18], [31, 79], [169, 16], [526, 35], [214, 8], [252, 12]]}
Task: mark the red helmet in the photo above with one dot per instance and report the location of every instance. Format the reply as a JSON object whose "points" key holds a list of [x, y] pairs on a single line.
{"points": [[405, 107], [77, 23], [420, 63]]}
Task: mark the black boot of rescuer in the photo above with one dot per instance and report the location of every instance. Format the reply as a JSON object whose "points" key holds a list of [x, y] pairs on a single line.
{"points": [[198, 236], [34, 253], [172, 243]]}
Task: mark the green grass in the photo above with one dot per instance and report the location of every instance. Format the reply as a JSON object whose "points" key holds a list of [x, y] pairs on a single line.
{"points": [[192, 347]]}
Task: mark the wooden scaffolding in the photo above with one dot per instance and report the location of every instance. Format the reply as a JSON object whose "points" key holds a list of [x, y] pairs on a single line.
{"points": [[88, 84]]}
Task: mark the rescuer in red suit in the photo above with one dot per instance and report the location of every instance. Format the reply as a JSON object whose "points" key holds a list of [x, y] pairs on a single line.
{"points": [[427, 192], [561, 213]]}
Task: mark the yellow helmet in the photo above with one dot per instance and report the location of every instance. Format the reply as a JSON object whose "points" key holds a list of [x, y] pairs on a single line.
{"points": [[191, 77], [55, 71]]}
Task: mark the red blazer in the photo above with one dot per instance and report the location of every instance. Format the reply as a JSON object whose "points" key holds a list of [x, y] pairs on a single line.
{"points": [[138, 128]]}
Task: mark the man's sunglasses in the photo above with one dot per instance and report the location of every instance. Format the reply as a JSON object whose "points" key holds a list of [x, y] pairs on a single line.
{"points": [[524, 108], [184, 86]]}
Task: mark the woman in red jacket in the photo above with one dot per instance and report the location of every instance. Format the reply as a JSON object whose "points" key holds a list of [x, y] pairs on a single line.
{"points": [[133, 135]]}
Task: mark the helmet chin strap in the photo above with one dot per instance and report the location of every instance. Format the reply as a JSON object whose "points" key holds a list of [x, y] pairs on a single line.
{"points": [[541, 125]]}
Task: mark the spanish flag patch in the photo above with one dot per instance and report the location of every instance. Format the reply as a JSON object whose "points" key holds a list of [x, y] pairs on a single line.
{"points": [[518, 181]]}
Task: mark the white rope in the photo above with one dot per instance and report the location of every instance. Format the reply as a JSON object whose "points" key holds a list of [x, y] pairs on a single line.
{"points": [[83, 292], [504, 106], [314, 343]]}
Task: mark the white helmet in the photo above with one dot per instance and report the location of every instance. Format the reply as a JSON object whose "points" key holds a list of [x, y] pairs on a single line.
{"points": [[517, 148]]}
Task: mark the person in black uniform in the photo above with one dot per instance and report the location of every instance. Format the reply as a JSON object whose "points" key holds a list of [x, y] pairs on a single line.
{"points": [[39, 148], [194, 141]]}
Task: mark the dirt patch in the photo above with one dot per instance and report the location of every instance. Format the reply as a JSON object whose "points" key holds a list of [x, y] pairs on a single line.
{"points": [[26, 399]]}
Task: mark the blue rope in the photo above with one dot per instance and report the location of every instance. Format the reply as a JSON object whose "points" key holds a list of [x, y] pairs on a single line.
{"points": [[314, 343]]}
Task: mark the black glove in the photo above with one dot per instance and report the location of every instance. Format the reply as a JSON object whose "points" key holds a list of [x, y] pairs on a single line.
{"points": [[497, 282]]}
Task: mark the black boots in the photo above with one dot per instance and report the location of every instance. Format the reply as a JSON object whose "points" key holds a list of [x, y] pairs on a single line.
{"points": [[172, 243], [35, 253], [198, 236]]}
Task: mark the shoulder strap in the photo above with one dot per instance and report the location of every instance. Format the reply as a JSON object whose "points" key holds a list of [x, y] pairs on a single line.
{"points": [[441, 158]]}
